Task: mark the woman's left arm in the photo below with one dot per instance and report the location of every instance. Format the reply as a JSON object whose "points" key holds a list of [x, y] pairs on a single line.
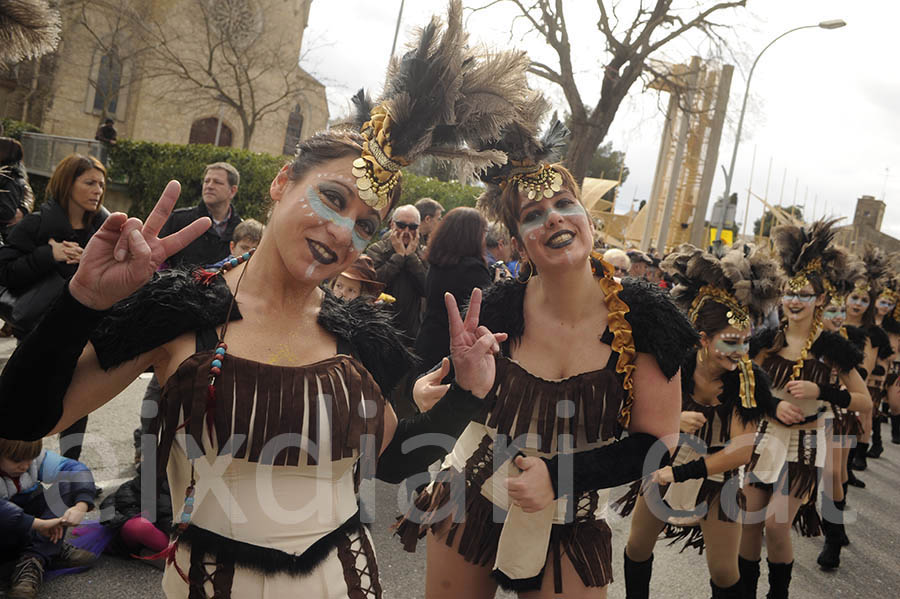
{"points": [[860, 400]]}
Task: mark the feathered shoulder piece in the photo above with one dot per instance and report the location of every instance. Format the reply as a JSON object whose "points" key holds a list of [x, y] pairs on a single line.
{"points": [[439, 95], [658, 327], [809, 252], [372, 335], [174, 302], [880, 341], [747, 281], [837, 350], [856, 335], [762, 339]]}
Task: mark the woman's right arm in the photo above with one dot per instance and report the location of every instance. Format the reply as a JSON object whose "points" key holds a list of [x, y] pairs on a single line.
{"points": [[52, 378]]}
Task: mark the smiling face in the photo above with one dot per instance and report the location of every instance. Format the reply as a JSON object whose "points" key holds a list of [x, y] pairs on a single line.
{"points": [[87, 190], [319, 223], [833, 317], [727, 347], [800, 305], [346, 288], [555, 232]]}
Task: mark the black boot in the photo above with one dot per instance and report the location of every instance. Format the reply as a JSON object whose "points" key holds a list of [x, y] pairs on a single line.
{"points": [[749, 570], [895, 429], [876, 448], [842, 536], [779, 580], [637, 578], [859, 456], [851, 477], [830, 556], [735, 591]]}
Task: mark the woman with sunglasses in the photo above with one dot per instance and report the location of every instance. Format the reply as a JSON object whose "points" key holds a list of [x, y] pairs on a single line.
{"points": [[798, 357]]}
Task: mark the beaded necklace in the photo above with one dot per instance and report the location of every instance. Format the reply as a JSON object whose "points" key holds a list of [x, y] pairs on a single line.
{"points": [[215, 370]]}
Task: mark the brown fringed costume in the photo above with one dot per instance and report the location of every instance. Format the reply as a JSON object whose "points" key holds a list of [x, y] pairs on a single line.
{"points": [[537, 417]]}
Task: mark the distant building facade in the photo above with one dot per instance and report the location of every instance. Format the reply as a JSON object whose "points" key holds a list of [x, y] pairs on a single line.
{"points": [[866, 228], [69, 92]]}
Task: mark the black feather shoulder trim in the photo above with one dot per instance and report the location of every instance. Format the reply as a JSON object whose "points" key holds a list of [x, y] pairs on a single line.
{"points": [[890, 325], [502, 309], [371, 333], [171, 304], [765, 402], [880, 342], [837, 350], [762, 339], [659, 328], [857, 336]]}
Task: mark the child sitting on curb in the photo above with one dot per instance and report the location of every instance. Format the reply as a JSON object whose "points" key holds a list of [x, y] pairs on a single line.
{"points": [[33, 519]]}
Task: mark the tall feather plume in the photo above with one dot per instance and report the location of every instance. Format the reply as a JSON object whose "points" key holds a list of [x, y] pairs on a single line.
{"points": [[797, 247], [751, 276], [877, 267], [854, 270], [28, 29]]}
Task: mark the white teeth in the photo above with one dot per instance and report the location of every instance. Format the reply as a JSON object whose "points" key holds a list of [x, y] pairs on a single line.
{"points": [[561, 238]]}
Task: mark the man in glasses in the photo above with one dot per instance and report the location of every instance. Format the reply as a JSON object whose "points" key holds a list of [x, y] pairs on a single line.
{"points": [[400, 265]]}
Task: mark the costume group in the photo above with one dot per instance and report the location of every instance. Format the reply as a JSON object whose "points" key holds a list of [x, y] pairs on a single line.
{"points": [[292, 444]]}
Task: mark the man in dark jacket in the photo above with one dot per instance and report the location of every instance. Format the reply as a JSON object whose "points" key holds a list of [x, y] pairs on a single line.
{"points": [[400, 265], [220, 184]]}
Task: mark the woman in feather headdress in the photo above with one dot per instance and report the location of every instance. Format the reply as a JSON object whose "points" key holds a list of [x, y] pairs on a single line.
{"points": [[798, 357], [723, 398], [842, 426], [520, 501], [862, 312], [886, 316], [277, 384]]}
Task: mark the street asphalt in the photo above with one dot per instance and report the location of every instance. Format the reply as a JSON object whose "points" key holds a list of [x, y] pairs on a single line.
{"points": [[869, 566]]}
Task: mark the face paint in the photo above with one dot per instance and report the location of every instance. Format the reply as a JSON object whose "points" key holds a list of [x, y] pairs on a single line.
{"points": [[799, 297], [884, 304], [326, 213], [731, 346], [537, 219], [858, 301], [832, 313]]}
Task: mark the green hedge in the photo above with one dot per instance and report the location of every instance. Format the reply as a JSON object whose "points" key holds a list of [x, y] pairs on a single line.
{"points": [[13, 128], [146, 167]]}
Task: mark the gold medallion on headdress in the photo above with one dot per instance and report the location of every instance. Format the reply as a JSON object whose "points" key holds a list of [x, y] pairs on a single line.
{"points": [[737, 315], [801, 279], [543, 182]]}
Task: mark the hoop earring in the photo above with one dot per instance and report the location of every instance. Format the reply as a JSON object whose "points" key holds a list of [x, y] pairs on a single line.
{"points": [[530, 266], [703, 354]]}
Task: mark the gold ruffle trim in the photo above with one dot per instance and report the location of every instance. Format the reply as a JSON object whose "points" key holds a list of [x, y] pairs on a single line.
{"points": [[623, 340]]}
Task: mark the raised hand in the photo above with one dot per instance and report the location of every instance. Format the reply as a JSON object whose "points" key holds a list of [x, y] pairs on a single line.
{"points": [[124, 253], [472, 347], [428, 389]]}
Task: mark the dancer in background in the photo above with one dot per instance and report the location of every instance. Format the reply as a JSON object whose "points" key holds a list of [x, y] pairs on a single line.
{"points": [[798, 357], [723, 397]]}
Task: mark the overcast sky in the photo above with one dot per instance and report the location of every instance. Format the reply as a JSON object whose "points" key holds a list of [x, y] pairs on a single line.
{"points": [[823, 103]]}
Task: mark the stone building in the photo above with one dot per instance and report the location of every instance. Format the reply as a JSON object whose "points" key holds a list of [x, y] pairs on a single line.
{"points": [[173, 71], [866, 228]]}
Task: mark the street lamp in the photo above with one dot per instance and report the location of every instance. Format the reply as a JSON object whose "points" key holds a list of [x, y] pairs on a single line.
{"points": [[832, 24]]}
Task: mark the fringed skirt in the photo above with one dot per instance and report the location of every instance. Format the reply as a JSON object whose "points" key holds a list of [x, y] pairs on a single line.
{"points": [[340, 566], [455, 500], [788, 460], [688, 503]]}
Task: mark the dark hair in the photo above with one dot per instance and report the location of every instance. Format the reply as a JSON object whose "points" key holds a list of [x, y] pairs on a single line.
{"points": [[460, 235], [428, 207], [19, 451], [10, 150], [510, 204], [326, 146], [108, 122], [712, 317], [63, 179]]}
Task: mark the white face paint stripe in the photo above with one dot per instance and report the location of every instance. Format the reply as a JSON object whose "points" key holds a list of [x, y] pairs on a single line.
{"points": [[326, 213], [574, 209]]}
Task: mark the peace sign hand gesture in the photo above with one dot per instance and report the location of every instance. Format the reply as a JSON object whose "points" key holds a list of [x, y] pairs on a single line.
{"points": [[123, 255], [472, 347]]}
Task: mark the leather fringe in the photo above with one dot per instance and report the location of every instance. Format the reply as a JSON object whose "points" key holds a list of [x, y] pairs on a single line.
{"points": [[780, 371]]}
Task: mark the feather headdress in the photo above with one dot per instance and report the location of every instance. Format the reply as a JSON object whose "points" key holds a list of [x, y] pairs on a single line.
{"points": [[529, 159], [844, 279], [742, 278], [876, 272], [28, 29], [809, 252], [438, 97]]}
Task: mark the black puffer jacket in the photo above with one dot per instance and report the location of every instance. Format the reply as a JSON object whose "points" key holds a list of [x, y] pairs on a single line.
{"points": [[27, 256], [209, 248]]}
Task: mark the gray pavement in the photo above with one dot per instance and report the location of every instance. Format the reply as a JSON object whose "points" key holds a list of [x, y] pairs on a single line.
{"points": [[869, 566]]}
